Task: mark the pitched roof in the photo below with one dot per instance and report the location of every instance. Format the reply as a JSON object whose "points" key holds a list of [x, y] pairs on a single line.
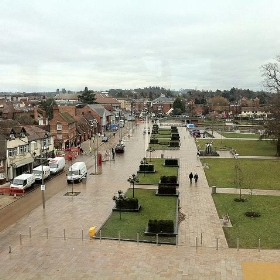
{"points": [[105, 99], [99, 109], [67, 117], [163, 99]]}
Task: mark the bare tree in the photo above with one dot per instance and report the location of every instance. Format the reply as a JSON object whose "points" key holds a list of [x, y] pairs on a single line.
{"points": [[271, 74]]}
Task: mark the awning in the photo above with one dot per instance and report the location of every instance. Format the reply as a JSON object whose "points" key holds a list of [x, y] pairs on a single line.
{"points": [[22, 162]]}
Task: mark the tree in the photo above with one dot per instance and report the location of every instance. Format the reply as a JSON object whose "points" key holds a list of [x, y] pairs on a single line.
{"points": [[271, 74], [179, 106], [87, 96], [47, 106]]}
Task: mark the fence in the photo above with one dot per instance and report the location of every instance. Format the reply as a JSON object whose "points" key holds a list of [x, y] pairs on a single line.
{"points": [[82, 236]]}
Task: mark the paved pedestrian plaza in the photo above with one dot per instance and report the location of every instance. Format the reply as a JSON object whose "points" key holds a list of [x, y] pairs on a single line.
{"points": [[53, 243]]}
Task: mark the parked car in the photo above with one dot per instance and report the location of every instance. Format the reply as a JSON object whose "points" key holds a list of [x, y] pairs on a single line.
{"points": [[104, 139], [119, 148]]}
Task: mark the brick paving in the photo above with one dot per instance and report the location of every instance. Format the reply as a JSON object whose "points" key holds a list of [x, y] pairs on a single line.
{"points": [[54, 243]]}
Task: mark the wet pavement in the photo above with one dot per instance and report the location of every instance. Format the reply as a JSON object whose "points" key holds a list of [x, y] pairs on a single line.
{"points": [[54, 242]]}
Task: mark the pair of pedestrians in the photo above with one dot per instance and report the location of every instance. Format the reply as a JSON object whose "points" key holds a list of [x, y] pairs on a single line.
{"points": [[195, 177]]}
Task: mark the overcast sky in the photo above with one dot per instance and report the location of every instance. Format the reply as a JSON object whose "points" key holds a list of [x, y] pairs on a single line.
{"points": [[208, 45]]}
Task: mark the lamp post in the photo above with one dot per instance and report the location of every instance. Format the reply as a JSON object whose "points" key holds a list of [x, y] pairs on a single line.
{"points": [[42, 178], [71, 159], [119, 200], [151, 150], [132, 180]]}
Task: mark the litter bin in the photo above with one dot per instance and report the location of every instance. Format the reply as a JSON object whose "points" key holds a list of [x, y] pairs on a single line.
{"points": [[214, 191], [91, 231], [162, 156]]}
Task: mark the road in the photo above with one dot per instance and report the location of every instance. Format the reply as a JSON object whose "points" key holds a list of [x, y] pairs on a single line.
{"points": [[13, 209]]}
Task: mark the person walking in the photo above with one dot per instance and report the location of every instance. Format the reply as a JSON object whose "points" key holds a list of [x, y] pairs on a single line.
{"points": [[195, 177], [113, 153], [191, 177]]}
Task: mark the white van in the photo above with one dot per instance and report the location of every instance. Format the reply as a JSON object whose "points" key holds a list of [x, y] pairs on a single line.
{"points": [[37, 171], [77, 172], [56, 164], [23, 181], [121, 123]]}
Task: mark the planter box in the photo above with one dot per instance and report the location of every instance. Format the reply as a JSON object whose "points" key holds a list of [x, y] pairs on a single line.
{"points": [[157, 227], [171, 162], [146, 168], [167, 181], [126, 210]]}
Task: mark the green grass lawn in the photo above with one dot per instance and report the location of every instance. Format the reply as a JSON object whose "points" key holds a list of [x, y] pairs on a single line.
{"points": [[240, 135], [152, 208], [153, 178], [249, 230], [243, 147], [256, 173]]}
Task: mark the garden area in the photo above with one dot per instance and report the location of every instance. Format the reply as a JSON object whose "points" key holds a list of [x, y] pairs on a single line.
{"points": [[256, 173], [132, 225], [164, 138], [254, 218], [243, 147], [147, 215], [250, 231]]}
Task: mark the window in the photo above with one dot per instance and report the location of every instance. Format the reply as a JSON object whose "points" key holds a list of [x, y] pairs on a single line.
{"points": [[58, 126], [12, 152], [22, 134], [23, 149], [12, 136]]}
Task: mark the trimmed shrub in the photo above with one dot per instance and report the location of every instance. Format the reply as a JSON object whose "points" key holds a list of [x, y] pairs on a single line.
{"points": [[175, 137], [161, 226], [146, 168], [162, 189], [174, 144], [127, 203], [172, 161], [168, 179], [153, 141]]}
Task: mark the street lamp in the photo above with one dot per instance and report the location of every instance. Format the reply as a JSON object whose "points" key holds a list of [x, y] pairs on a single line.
{"points": [[132, 180], [151, 150], [44, 147], [119, 200]]}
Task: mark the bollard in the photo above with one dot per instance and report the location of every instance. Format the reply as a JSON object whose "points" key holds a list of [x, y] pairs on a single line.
{"points": [[100, 236], [47, 231], [157, 239], [20, 241], [29, 231], [237, 244], [217, 243], [82, 235], [64, 234], [259, 244], [10, 249], [119, 236]]}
